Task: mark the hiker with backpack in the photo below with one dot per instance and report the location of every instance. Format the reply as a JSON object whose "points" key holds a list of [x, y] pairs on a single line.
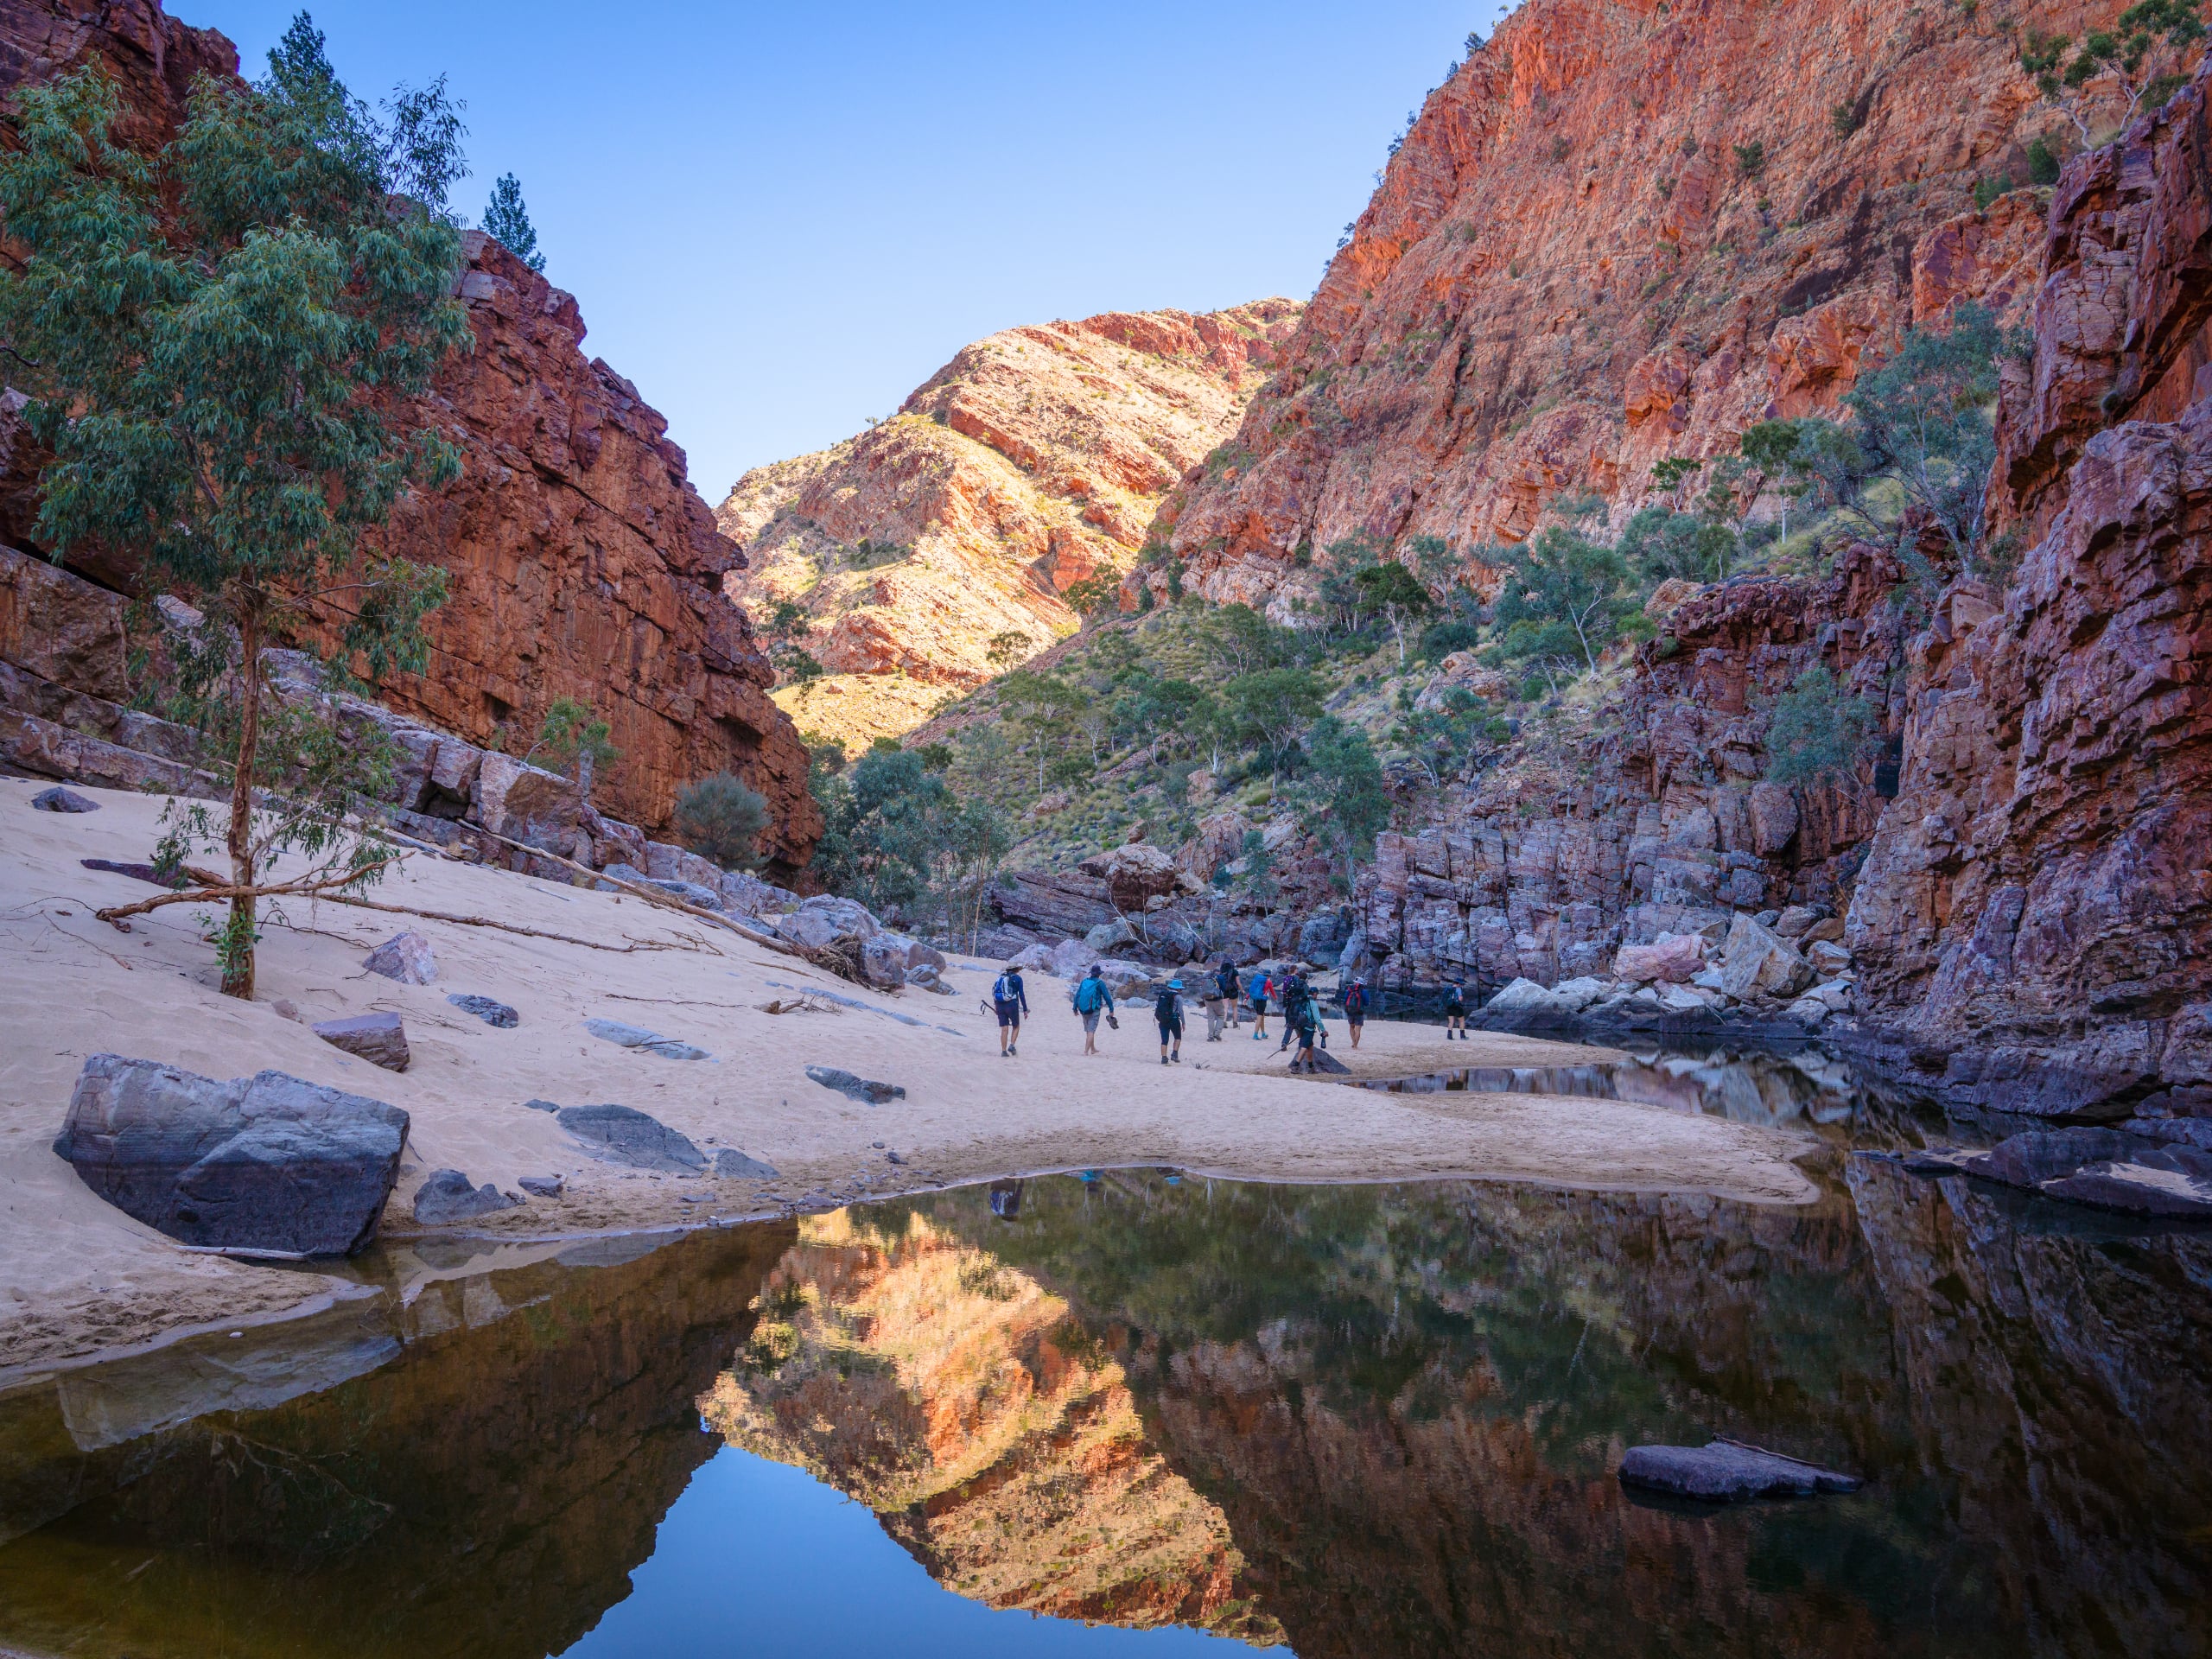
{"points": [[1455, 1011], [1217, 1007], [1009, 1001], [1356, 1007], [1167, 1013], [1093, 1001], [1303, 1017], [1292, 994], [1257, 989], [1224, 980]]}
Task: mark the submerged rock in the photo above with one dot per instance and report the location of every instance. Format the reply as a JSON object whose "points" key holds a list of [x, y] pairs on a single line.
{"points": [[623, 1134], [269, 1162], [860, 1089], [379, 1039], [59, 799], [491, 1012], [446, 1197], [404, 956], [1726, 1471]]}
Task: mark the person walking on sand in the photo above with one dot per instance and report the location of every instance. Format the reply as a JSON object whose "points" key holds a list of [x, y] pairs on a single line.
{"points": [[1455, 1011], [1217, 1007], [1304, 1019], [1355, 1007], [1291, 993], [1258, 989], [1167, 1013], [1231, 992], [1093, 999], [1009, 1001]]}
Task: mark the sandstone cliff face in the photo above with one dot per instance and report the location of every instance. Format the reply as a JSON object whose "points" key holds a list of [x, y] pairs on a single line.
{"points": [[2034, 905], [582, 562], [1567, 274], [1032, 460]]}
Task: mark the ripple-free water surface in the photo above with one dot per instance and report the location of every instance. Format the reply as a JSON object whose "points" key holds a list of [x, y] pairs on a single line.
{"points": [[1134, 1414]]}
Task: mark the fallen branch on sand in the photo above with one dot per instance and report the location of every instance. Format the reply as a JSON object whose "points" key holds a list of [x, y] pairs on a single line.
{"points": [[682, 942], [319, 884]]}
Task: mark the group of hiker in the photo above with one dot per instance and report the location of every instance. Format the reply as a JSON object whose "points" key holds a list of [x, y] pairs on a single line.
{"points": [[1224, 996]]}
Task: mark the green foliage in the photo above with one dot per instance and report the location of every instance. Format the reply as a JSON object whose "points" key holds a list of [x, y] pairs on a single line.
{"points": [[2146, 33], [572, 739], [2043, 161], [1441, 738], [1816, 731], [1396, 594], [1845, 119], [1987, 191], [1565, 598], [1439, 640], [507, 221], [1751, 158], [720, 818], [1099, 595], [1659, 543], [1670, 473], [1269, 709], [1009, 646], [217, 342], [1349, 801], [900, 835]]}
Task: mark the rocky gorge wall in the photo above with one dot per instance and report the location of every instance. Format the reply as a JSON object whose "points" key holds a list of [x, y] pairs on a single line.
{"points": [[1567, 274], [582, 562], [1032, 461]]}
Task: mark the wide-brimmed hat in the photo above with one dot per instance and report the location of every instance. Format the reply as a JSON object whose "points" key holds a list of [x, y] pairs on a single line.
{"points": [[1174, 984]]}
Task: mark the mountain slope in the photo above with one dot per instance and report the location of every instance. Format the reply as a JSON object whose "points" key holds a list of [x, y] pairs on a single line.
{"points": [[1031, 463]]}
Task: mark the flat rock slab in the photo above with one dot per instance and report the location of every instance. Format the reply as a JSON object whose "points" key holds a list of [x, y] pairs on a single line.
{"points": [[379, 1039], [404, 956], [623, 1134], [2105, 1168], [865, 1089], [733, 1165], [63, 800], [1727, 1472], [491, 1012], [269, 1162], [543, 1186], [668, 1048], [446, 1197]]}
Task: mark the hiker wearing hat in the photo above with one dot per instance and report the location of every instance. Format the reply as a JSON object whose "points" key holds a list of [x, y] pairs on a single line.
{"points": [[1293, 997], [1355, 1006], [1167, 1013], [1093, 998], [1009, 1001]]}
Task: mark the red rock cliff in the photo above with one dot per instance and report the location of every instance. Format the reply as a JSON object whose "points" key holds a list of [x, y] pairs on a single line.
{"points": [[1567, 274], [582, 562]]}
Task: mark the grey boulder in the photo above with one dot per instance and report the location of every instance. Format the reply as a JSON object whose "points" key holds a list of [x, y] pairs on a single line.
{"points": [[864, 1090], [1727, 1472], [269, 1162], [668, 1048], [733, 1165], [403, 956], [2105, 1168], [491, 1012], [623, 1134], [58, 800], [379, 1039], [543, 1186], [446, 1197]]}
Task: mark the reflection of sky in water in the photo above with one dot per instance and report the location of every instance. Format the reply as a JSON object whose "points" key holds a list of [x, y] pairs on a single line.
{"points": [[762, 1561]]}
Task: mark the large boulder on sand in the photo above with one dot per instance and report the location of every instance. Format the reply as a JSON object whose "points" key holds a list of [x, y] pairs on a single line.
{"points": [[1756, 961], [269, 1162], [1671, 961], [825, 918], [1133, 873], [404, 956]]}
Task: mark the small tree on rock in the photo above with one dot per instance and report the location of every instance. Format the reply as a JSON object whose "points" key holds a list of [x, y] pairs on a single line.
{"points": [[507, 221], [720, 818]]}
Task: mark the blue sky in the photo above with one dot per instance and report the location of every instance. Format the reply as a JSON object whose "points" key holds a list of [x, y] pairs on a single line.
{"points": [[779, 220]]}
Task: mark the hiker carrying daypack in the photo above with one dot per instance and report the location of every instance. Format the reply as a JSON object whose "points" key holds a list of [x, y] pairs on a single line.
{"points": [[1009, 1001], [1257, 988], [1092, 1000], [1455, 1012], [1356, 1009]]}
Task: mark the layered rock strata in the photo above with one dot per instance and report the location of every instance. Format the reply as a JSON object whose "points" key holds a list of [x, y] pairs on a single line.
{"points": [[1031, 463], [1620, 233]]}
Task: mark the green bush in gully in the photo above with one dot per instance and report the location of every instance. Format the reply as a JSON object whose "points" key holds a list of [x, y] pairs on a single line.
{"points": [[1319, 718], [219, 341]]}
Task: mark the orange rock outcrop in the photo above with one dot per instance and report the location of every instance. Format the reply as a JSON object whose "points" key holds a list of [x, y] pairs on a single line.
{"points": [[1035, 460], [1620, 233]]}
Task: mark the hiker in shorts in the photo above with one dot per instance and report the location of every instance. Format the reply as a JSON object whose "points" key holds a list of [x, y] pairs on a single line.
{"points": [[1232, 997], [1455, 1011], [1291, 993], [1093, 1001], [1257, 989], [1304, 1021], [1167, 1013], [1009, 1001], [1355, 1007]]}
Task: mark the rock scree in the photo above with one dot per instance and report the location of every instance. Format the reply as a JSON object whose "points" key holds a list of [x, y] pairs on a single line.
{"points": [[269, 1162]]}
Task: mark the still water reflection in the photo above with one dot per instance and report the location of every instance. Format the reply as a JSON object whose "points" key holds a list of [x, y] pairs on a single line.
{"points": [[1359, 1421]]}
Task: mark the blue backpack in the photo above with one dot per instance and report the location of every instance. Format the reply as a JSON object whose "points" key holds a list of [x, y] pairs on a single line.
{"points": [[1008, 988], [1088, 995]]}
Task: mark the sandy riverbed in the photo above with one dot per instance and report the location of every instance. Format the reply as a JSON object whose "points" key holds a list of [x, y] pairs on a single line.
{"points": [[78, 1276]]}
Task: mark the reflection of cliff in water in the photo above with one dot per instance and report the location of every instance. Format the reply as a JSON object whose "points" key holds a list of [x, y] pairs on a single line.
{"points": [[1406, 1404], [486, 1495], [992, 1436]]}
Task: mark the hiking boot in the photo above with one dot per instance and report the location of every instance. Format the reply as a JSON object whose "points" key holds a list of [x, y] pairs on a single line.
{"points": [[1013, 1050], [1177, 1057], [1163, 1060]]}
